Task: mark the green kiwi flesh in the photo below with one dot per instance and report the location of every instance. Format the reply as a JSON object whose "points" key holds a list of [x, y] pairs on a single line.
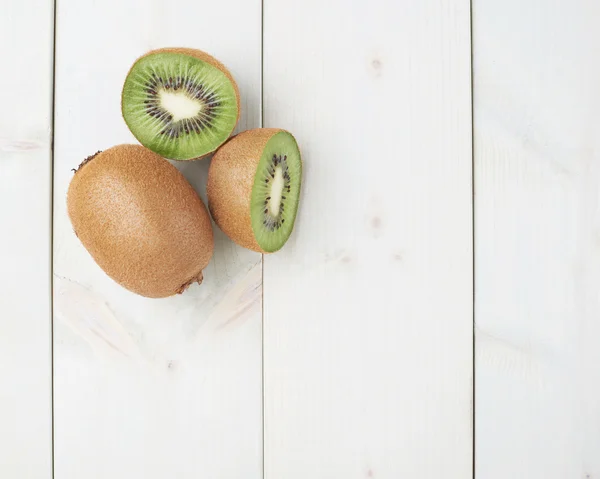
{"points": [[178, 105], [276, 192]]}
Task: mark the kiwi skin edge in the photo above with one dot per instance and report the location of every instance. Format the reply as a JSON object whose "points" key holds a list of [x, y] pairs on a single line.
{"points": [[200, 55], [230, 182]]}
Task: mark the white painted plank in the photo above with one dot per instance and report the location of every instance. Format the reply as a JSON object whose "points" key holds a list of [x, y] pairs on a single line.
{"points": [[368, 308], [537, 125], [151, 388], [26, 49]]}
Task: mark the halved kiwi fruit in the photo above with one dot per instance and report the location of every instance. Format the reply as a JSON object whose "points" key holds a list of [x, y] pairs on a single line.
{"points": [[254, 188], [180, 103], [140, 220]]}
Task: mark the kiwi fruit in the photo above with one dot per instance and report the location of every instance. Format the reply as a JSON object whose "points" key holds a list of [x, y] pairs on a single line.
{"points": [[254, 188], [180, 103], [140, 220]]}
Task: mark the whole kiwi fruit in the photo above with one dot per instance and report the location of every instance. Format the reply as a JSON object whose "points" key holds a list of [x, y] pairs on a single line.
{"points": [[254, 188], [140, 220]]}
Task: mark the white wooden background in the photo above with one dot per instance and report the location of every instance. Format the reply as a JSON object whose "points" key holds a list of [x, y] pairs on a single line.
{"points": [[537, 238], [348, 354]]}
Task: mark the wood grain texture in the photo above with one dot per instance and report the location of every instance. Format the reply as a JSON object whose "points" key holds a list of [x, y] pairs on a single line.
{"points": [[537, 164], [368, 308], [26, 38], [151, 388]]}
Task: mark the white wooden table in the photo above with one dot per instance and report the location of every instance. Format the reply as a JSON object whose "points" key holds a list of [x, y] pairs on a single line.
{"points": [[436, 312]]}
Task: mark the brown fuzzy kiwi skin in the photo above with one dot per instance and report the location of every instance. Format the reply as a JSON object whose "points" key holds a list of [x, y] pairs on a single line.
{"points": [[140, 220], [230, 181], [205, 57]]}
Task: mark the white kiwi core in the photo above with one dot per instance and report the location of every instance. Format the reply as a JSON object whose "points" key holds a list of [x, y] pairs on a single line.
{"points": [[276, 191], [179, 104]]}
